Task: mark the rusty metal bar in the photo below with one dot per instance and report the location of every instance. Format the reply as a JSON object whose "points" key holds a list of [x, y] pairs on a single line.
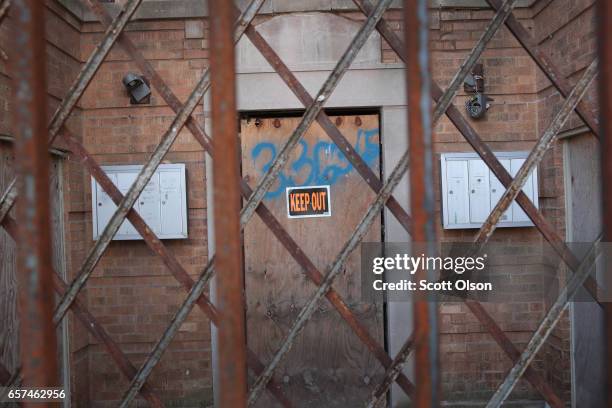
{"points": [[332, 271], [328, 126], [546, 326], [604, 9], [28, 73], [227, 200], [392, 373], [313, 110], [96, 252], [422, 200], [498, 19], [584, 110], [536, 154], [163, 343]]}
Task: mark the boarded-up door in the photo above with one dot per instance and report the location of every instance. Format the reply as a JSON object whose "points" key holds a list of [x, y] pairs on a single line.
{"points": [[328, 366]]}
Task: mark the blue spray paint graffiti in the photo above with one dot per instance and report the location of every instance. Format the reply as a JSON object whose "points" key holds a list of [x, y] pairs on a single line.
{"points": [[308, 164]]}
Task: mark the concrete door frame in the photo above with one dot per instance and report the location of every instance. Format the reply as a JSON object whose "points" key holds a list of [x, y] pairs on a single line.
{"points": [[368, 84]]}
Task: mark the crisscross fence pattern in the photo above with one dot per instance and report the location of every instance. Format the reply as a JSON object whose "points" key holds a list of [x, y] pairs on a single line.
{"points": [[421, 90]]}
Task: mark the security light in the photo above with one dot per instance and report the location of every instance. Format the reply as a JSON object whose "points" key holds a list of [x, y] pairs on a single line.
{"points": [[138, 88]]}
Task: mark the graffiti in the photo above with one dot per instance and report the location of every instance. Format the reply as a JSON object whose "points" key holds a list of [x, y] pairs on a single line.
{"points": [[308, 165]]}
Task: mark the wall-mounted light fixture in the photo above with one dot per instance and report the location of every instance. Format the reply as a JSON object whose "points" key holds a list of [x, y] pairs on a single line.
{"points": [[138, 88], [478, 103]]}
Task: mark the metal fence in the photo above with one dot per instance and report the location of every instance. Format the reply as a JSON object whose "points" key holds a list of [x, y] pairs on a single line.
{"points": [[228, 25]]}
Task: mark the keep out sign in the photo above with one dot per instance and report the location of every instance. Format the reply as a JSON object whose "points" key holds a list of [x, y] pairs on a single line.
{"points": [[311, 201]]}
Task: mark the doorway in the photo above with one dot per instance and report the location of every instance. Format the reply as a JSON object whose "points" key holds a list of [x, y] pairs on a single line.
{"points": [[328, 366]]}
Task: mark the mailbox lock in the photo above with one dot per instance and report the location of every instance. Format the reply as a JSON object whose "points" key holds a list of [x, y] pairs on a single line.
{"points": [[450, 192]]}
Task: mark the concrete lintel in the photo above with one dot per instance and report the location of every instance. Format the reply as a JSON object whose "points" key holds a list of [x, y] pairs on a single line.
{"points": [[173, 9]]}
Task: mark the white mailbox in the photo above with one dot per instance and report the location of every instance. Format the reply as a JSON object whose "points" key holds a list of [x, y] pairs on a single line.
{"points": [[162, 204], [470, 190]]}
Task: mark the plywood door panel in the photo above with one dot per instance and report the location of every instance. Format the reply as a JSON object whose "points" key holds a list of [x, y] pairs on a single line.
{"points": [[328, 365]]}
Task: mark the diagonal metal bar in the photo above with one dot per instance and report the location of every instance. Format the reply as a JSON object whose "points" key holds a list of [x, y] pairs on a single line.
{"points": [[326, 124], [78, 87], [546, 326], [332, 271], [163, 343], [96, 252], [313, 110], [91, 324], [393, 371], [486, 154], [422, 200], [536, 154], [584, 109]]}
